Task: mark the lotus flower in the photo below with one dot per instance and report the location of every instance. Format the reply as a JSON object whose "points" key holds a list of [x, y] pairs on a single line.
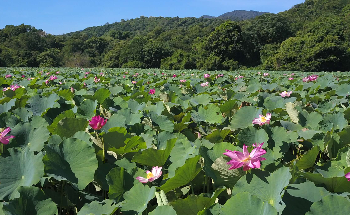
{"points": [[133, 82], [97, 122], [152, 91], [53, 77], [8, 76], [205, 84], [23, 76], [174, 76], [290, 78], [96, 79], [206, 75], [246, 159], [151, 176], [182, 80], [285, 93], [266, 74], [348, 176], [262, 119], [3, 139]]}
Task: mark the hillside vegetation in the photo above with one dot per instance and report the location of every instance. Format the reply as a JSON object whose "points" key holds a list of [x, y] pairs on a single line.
{"points": [[312, 36]]}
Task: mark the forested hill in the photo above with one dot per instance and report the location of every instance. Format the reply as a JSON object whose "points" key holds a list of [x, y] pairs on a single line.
{"points": [[312, 36]]}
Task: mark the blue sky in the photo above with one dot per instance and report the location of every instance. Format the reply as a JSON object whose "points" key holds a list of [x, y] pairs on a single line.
{"points": [[64, 16]]}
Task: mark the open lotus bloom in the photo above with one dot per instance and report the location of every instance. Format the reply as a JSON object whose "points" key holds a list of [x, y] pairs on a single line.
{"points": [[97, 122], [3, 139], [206, 75], [205, 84], [262, 119], [348, 176], [152, 91], [151, 176], [246, 159], [286, 94]]}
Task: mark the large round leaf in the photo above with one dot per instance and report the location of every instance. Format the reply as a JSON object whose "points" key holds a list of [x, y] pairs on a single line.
{"points": [[269, 189], [244, 117], [162, 210], [331, 204], [98, 208], [73, 160], [245, 203], [32, 201], [21, 168], [137, 198]]}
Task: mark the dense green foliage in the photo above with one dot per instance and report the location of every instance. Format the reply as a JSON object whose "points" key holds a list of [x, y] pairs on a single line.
{"points": [[312, 36], [57, 161]]}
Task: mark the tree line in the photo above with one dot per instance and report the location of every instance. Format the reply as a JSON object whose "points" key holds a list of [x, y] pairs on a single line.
{"points": [[312, 36]]}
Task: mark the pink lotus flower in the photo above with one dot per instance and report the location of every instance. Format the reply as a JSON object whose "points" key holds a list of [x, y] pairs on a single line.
{"points": [[47, 81], [3, 139], [205, 84], [96, 79], [8, 76], [246, 159], [206, 75], [152, 91], [266, 74], [182, 80], [97, 122], [133, 82], [53, 77], [72, 89], [86, 73], [58, 72], [123, 76], [313, 77], [290, 78], [23, 76], [262, 119], [285, 93], [348, 176], [174, 76], [151, 176]]}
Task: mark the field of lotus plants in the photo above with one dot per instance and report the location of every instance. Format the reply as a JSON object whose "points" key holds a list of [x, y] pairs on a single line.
{"points": [[132, 141]]}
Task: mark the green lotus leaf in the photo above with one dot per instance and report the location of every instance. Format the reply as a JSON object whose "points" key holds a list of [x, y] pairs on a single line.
{"points": [[164, 123], [274, 102], [210, 114], [246, 203], [183, 175], [313, 120], [137, 198], [98, 208], [72, 160], [152, 157], [217, 136], [116, 120], [308, 159], [115, 180], [331, 204], [162, 210], [333, 121], [23, 113], [27, 134], [202, 99], [333, 184], [101, 95], [251, 135], [65, 114], [136, 107], [32, 201], [307, 190], [7, 106], [87, 109], [269, 189], [180, 153], [39, 105], [191, 205], [67, 127], [244, 117], [21, 168]]}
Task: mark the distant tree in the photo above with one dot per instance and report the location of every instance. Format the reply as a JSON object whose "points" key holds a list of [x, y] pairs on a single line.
{"points": [[49, 58]]}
